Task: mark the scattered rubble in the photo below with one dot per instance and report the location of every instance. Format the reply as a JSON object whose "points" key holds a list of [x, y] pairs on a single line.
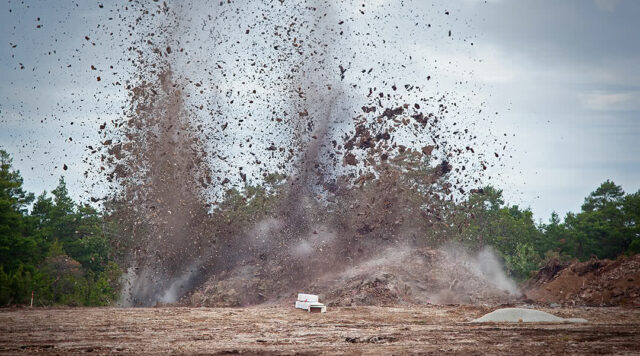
{"points": [[370, 339]]}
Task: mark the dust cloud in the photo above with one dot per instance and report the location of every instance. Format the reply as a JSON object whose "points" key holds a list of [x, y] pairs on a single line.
{"points": [[262, 153]]}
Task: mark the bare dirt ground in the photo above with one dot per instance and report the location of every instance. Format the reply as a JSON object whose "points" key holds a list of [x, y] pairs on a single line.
{"points": [[284, 330]]}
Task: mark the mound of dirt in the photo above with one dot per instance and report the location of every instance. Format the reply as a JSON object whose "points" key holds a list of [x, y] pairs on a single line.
{"points": [[397, 276], [594, 282]]}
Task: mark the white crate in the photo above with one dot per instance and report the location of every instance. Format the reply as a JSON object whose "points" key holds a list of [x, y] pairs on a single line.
{"points": [[309, 302], [302, 297]]}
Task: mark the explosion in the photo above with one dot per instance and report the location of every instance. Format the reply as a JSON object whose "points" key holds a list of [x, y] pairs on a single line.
{"points": [[266, 162]]}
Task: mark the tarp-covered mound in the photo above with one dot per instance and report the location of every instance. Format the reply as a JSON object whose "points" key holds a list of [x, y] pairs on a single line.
{"points": [[521, 315], [397, 276], [594, 282]]}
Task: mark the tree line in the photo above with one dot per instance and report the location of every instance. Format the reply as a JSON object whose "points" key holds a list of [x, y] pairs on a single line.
{"points": [[52, 247], [62, 252], [607, 226]]}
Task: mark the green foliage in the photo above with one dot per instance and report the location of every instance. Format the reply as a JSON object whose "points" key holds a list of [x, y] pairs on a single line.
{"points": [[16, 286], [105, 286], [634, 247], [631, 221], [603, 197], [524, 261], [15, 247], [606, 227], [554, 236], [510, 230], [58, 251]]}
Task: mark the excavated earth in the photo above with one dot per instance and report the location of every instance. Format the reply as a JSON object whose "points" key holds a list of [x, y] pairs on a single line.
{"points": [[282, 329], [395, 277], [594, 282]]}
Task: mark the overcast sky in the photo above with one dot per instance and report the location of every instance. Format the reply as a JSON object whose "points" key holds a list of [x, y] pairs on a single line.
{"points": [[569, 72], [564, 77]]}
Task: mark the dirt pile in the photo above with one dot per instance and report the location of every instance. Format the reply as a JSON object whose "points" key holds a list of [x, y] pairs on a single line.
{"points": [[397, 276], [594, 282]]}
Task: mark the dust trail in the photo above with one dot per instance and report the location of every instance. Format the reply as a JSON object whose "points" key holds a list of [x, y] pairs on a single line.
{"points": [[163, 209]]}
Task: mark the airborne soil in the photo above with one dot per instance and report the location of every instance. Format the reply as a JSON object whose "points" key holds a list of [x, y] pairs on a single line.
{"points": [[284, 330]]}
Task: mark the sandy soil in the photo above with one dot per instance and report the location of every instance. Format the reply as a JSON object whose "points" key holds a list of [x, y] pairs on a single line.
{"points": [[283, 330], [594, 282]]}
